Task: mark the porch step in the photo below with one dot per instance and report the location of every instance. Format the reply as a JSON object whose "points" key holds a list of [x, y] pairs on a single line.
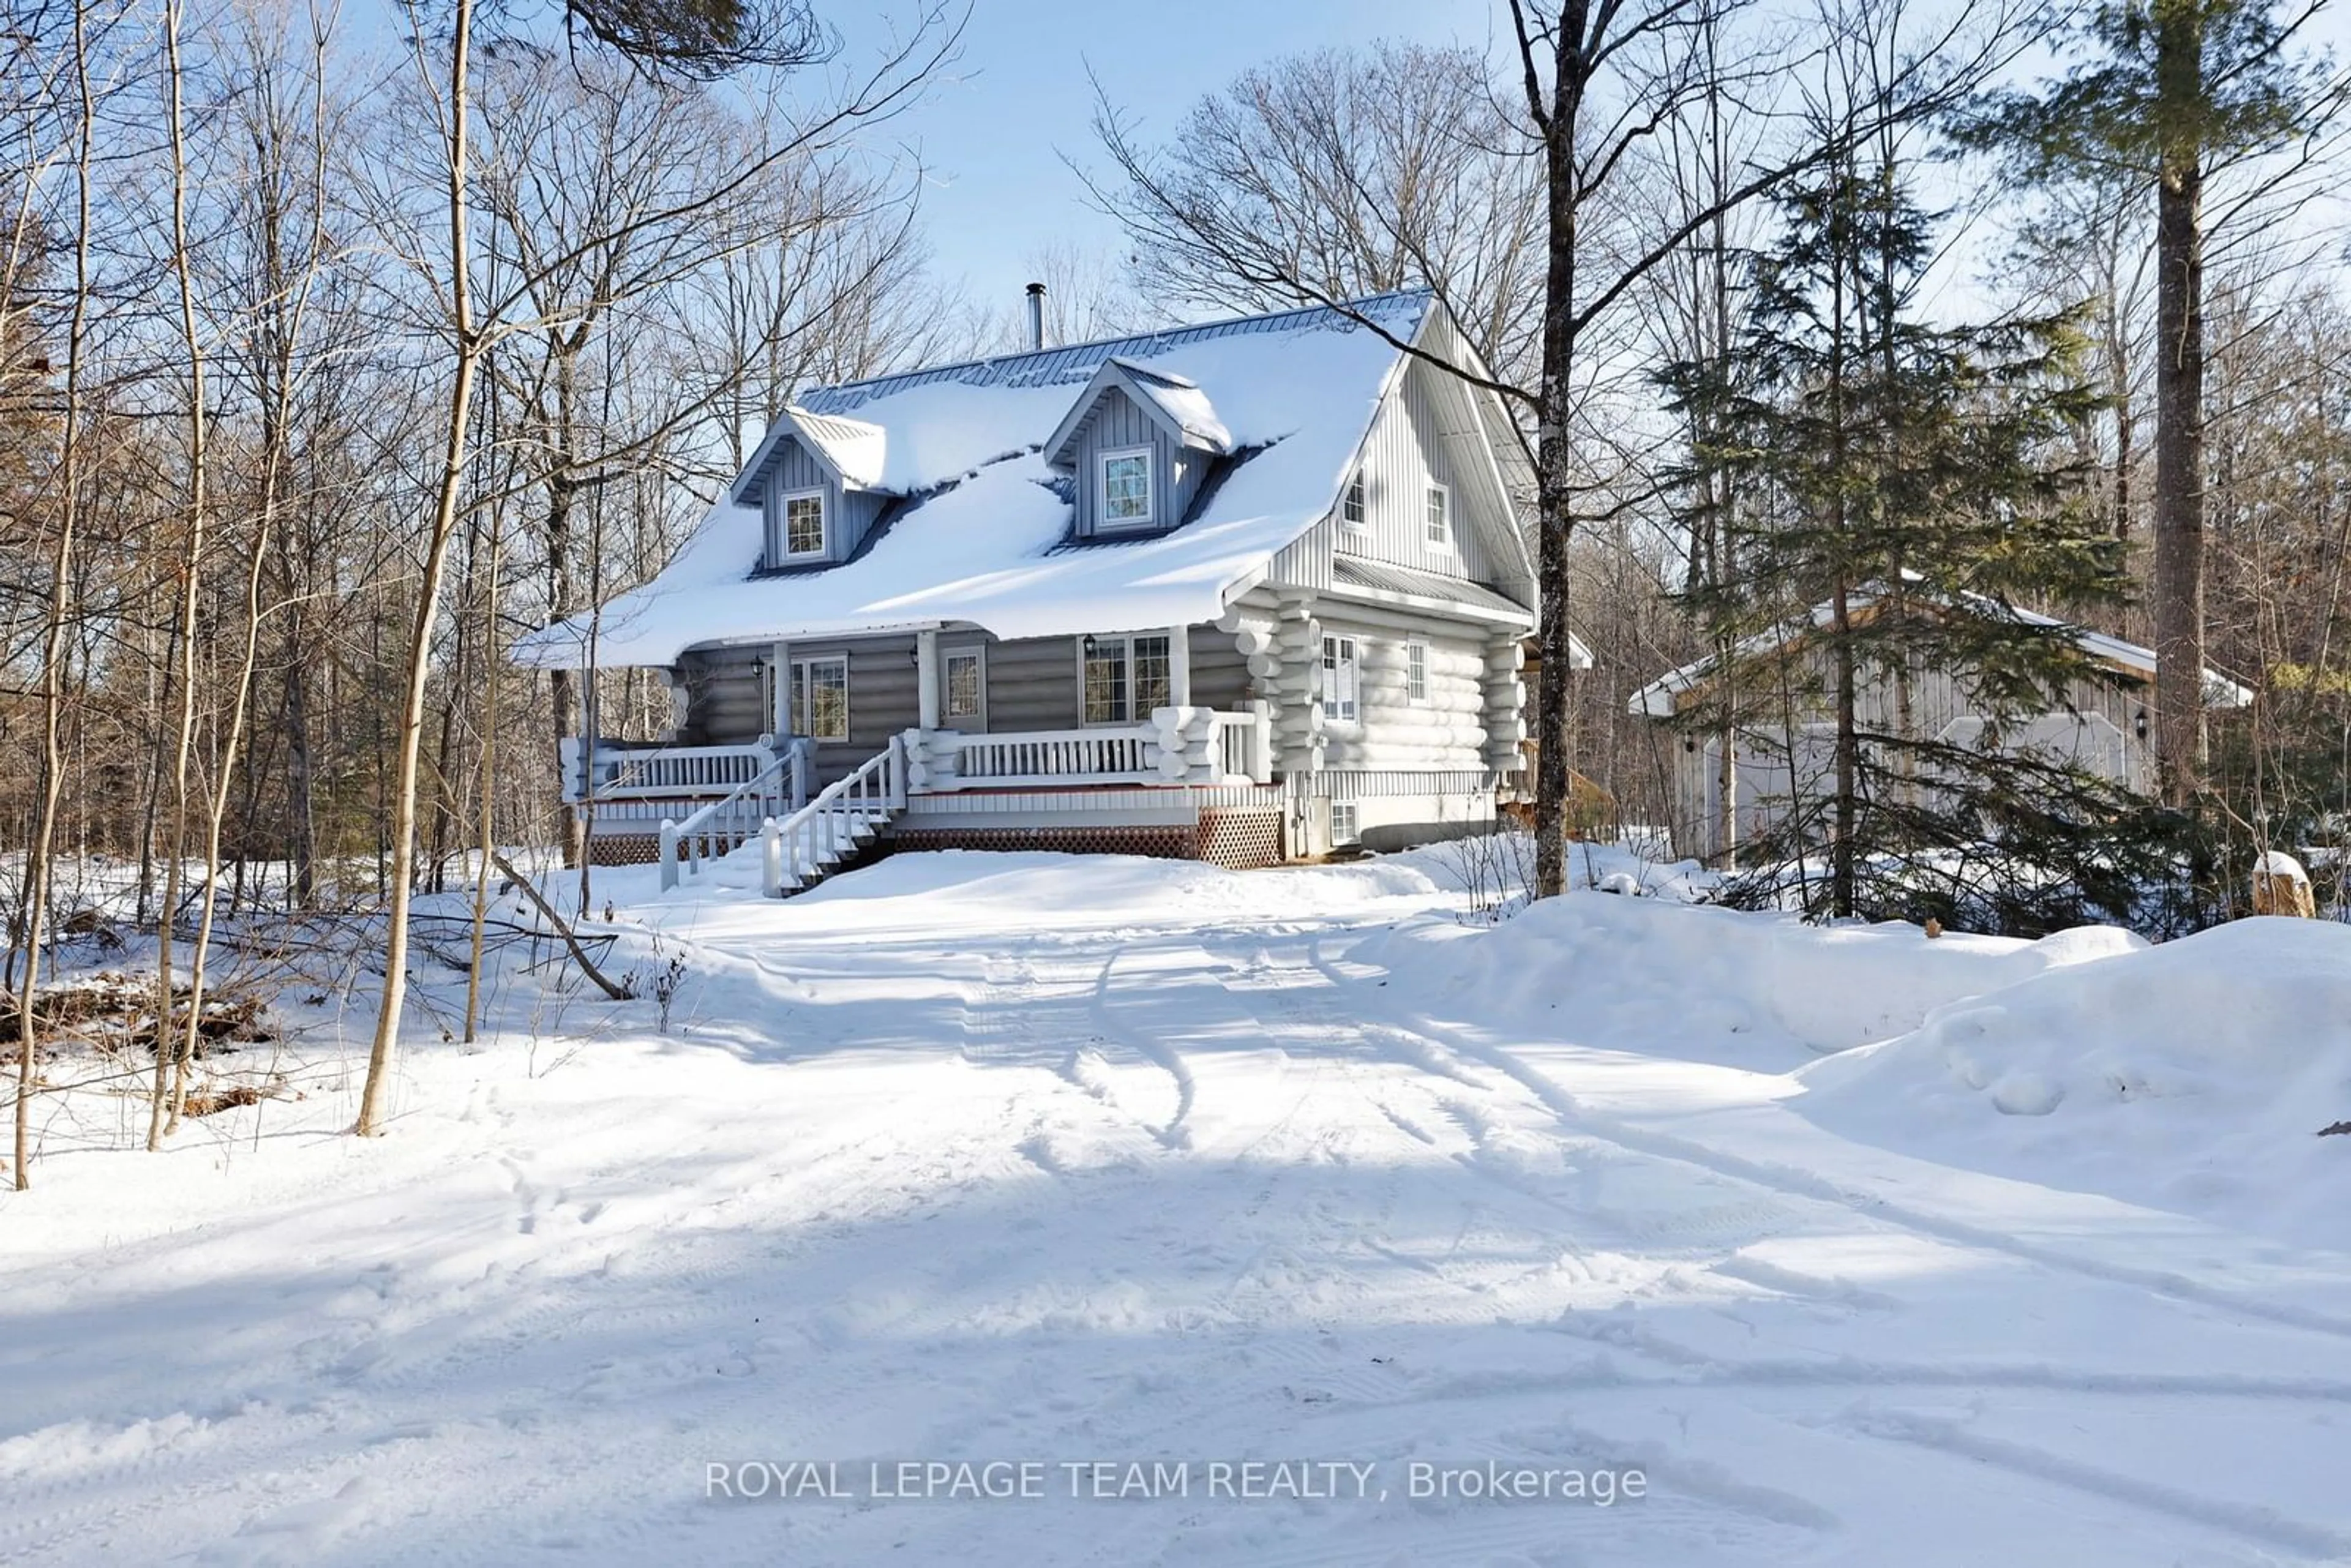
{"points": [[851, 832]]}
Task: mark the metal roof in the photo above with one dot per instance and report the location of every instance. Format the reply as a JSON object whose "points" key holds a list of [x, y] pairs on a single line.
{"points": [[1400, 313], [1377, 576]]}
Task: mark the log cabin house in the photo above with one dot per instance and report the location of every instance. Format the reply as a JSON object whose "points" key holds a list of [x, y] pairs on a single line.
{"points": [[1240, 591]]}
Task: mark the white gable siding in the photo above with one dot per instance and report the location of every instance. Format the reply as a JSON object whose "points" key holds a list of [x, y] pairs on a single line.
{"points": [[1406, 451], [2111, 704], [1305, 561]]}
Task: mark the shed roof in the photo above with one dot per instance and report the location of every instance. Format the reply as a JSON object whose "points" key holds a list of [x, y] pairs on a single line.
{"points": [[1663, 698]]}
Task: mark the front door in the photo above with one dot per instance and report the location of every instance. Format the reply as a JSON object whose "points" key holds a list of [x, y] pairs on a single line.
{"points": [[963, 688]]}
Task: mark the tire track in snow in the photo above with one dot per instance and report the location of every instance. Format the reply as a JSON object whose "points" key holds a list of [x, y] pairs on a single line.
{"points": [[1791, 1182], [1422, 1039], [1175, 1134], [2248, 1520], [1700, 1368]]}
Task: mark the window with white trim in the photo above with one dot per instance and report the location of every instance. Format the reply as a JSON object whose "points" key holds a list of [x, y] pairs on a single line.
{"points": [[1126, 488], [963, 682], [1353, 510], [1415, 671], [1343, 680], [1440, 517], [800, 526], [821, 697], [1344, 823], [1125, 678]]}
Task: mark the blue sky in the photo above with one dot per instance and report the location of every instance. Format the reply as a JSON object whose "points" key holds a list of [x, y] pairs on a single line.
{"points": [[991, 136]]}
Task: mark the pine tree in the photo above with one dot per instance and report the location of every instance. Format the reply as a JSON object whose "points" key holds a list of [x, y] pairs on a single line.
{"points": [[2177, 89], [1911, 491]]}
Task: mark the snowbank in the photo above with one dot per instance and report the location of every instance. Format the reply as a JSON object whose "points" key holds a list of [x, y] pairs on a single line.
{"points": [[1634, 972], [2191, 1076]]}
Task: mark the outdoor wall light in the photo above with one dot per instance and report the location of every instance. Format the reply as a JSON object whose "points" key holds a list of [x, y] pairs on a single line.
{"points": [[2140, 724]]}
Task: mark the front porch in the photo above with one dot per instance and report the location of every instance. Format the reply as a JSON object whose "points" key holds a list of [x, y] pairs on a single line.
{"points": [[1192, 782]]}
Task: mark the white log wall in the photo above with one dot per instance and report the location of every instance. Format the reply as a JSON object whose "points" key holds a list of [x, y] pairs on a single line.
{"points": [[1446, 731]]}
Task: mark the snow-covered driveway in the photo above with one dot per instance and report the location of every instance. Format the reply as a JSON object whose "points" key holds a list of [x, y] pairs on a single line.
{"points": [[1018, 1158]]}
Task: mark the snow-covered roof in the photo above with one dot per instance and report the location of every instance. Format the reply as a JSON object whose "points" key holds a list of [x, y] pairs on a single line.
{"points": [[1661, 698], [982, 536], [1175, 400], [855, 449], [1180, 399]]}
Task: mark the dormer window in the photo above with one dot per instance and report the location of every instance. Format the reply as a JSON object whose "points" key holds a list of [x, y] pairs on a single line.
{"points": [[1126, 490], [801, 535], [1353, 511]]}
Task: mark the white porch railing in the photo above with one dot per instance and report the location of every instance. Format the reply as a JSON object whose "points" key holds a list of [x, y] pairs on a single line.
{"points": [[1178, 745], [726, 824], [827, 830], [1041, 756], [622, 772]]}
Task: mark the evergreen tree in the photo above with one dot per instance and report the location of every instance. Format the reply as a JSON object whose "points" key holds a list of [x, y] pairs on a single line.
{"points": [[2175, 89], [1911, 494]]}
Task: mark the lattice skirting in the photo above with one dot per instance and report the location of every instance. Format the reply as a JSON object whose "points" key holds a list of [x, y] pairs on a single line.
{"points": [[623, 848], [1171, 840], [1238, 840]]}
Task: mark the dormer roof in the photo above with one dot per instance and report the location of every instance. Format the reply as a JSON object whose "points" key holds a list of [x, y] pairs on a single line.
{"points": [[1173, 401], [855, 452]]}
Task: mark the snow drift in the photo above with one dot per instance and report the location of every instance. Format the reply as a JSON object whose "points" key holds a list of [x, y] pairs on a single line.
{"points": [[2191, 1076], [1632, 973]]}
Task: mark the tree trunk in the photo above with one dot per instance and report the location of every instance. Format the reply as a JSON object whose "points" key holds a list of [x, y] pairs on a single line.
{"points": [[485, 780], [1554, 497], [1847, 814], [2180, 739], [566, 699], [428, 599], [53, 632], [191, 585]]}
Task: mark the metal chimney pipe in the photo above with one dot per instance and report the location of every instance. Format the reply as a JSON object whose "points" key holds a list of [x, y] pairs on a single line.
{"points": [[1036, 316]]}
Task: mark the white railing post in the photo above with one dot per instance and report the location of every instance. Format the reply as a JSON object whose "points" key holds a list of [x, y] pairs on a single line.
{"points": [[772, 858], [668, 854]]}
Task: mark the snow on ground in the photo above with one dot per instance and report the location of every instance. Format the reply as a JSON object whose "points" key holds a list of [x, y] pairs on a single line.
{"points": [[2189, 1076], [1025, 1157]]}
